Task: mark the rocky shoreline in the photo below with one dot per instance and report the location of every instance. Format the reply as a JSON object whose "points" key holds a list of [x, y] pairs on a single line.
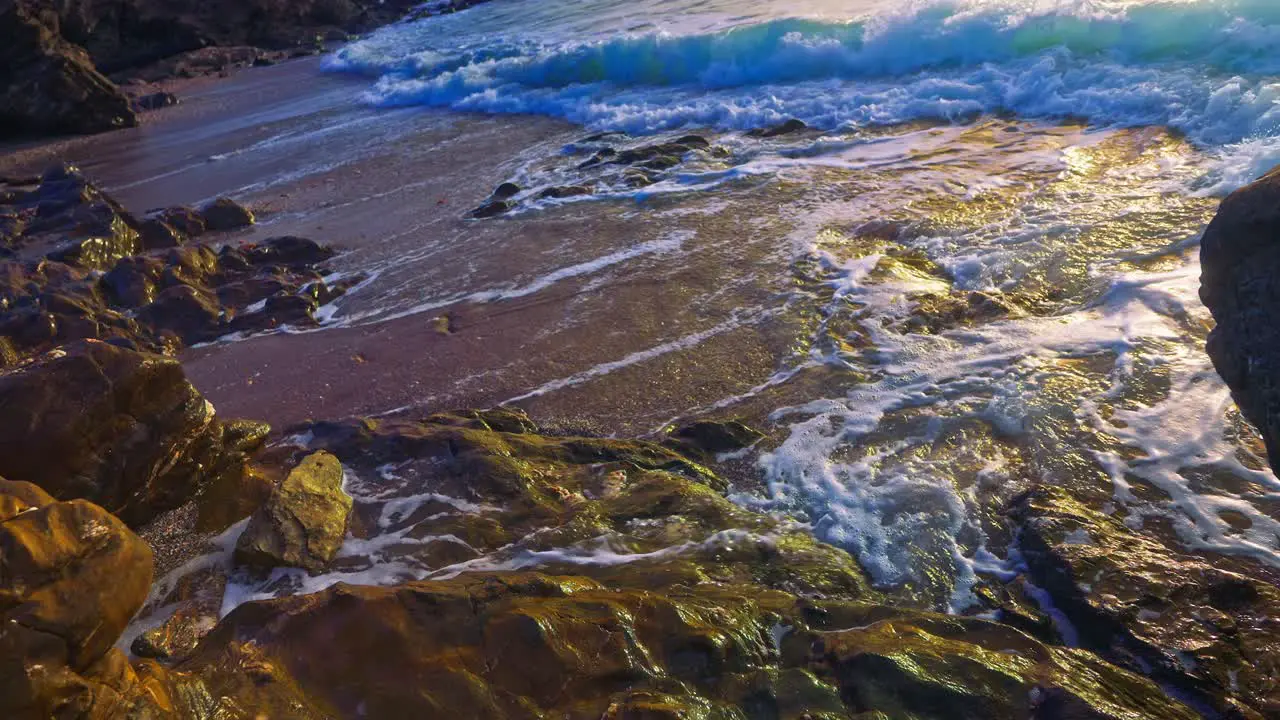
{"points": [[544, 574]]}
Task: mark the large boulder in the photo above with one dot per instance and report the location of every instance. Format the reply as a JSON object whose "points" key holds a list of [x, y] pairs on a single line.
{"points": [[536, 645], [1189, 622], [48, 85], [303, 522], [121, 428], [1240, 284], [71, 577]]}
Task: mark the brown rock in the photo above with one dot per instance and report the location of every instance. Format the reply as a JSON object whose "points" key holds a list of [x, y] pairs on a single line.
{"points": [[48, 85], [121, 428], [226, 214], [71, 577]]}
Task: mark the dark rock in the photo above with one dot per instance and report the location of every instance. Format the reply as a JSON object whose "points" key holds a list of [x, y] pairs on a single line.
{"points": [[155, 101], [711, 437], [1240, 256], [121, 428], [786, 128], [288, 250], [506, 191], [183, 219], [304, 521], [48, 85], [568, 191], [187, 312], [156, 234], [226, 214], [492, 209]]}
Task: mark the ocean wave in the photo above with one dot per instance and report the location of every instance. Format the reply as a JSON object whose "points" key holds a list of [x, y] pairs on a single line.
{"points": [[1207, 68]]}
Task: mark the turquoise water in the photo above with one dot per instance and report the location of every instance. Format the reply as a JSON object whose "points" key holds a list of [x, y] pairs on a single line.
{"points": [[1207, 68]]}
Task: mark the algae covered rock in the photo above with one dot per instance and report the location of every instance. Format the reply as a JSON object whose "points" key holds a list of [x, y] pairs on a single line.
{"points": [[537, 645], [1189, 622], [71, 577], [304, 521], [121, 428]]}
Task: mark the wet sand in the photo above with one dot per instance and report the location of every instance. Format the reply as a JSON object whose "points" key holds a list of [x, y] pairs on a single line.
{"points": [[616, 322]]}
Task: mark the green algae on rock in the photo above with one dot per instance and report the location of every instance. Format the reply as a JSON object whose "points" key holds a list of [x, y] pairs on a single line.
{"points": [[303, 522], [1183, 619], [529, 645]]}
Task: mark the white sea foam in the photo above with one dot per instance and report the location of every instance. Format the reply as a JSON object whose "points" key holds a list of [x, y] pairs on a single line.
{"points": [[1205, 67]]}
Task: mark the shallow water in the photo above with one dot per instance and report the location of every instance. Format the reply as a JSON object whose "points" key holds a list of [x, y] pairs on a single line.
{"points": [[976, 271]]}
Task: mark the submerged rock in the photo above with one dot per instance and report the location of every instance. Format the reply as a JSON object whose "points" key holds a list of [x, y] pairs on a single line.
{"points": [[1239, 283], [709, 438], [121, 428], [493, 208], [155, 101], [788, 127], [1211, 632], [304, 521]]}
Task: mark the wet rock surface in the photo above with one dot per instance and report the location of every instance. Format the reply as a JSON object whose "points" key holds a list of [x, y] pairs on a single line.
{"points": [[303, 522], [156, 292], [584, 578], [1185, 620], [1239, 254], [71, 577], [121, 428]]}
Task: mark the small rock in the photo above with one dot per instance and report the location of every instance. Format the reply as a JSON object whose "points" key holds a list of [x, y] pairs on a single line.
{"points": [[492, 209], [157, 234], [568, 191], [506, 191], [786, 128], [226, 214], [712, 436], [304, 521], [184, 219], [155, 101]]}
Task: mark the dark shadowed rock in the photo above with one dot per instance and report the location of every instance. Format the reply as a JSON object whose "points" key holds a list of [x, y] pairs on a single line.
{"points": [[304, 521], [185, 220], [567, 191], [506, 191], [48, 85], [288, 250], [788, 127], [226, 214], [1240, 284], [155, 101], [711, 437], [492, 209], [121, 428]]}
